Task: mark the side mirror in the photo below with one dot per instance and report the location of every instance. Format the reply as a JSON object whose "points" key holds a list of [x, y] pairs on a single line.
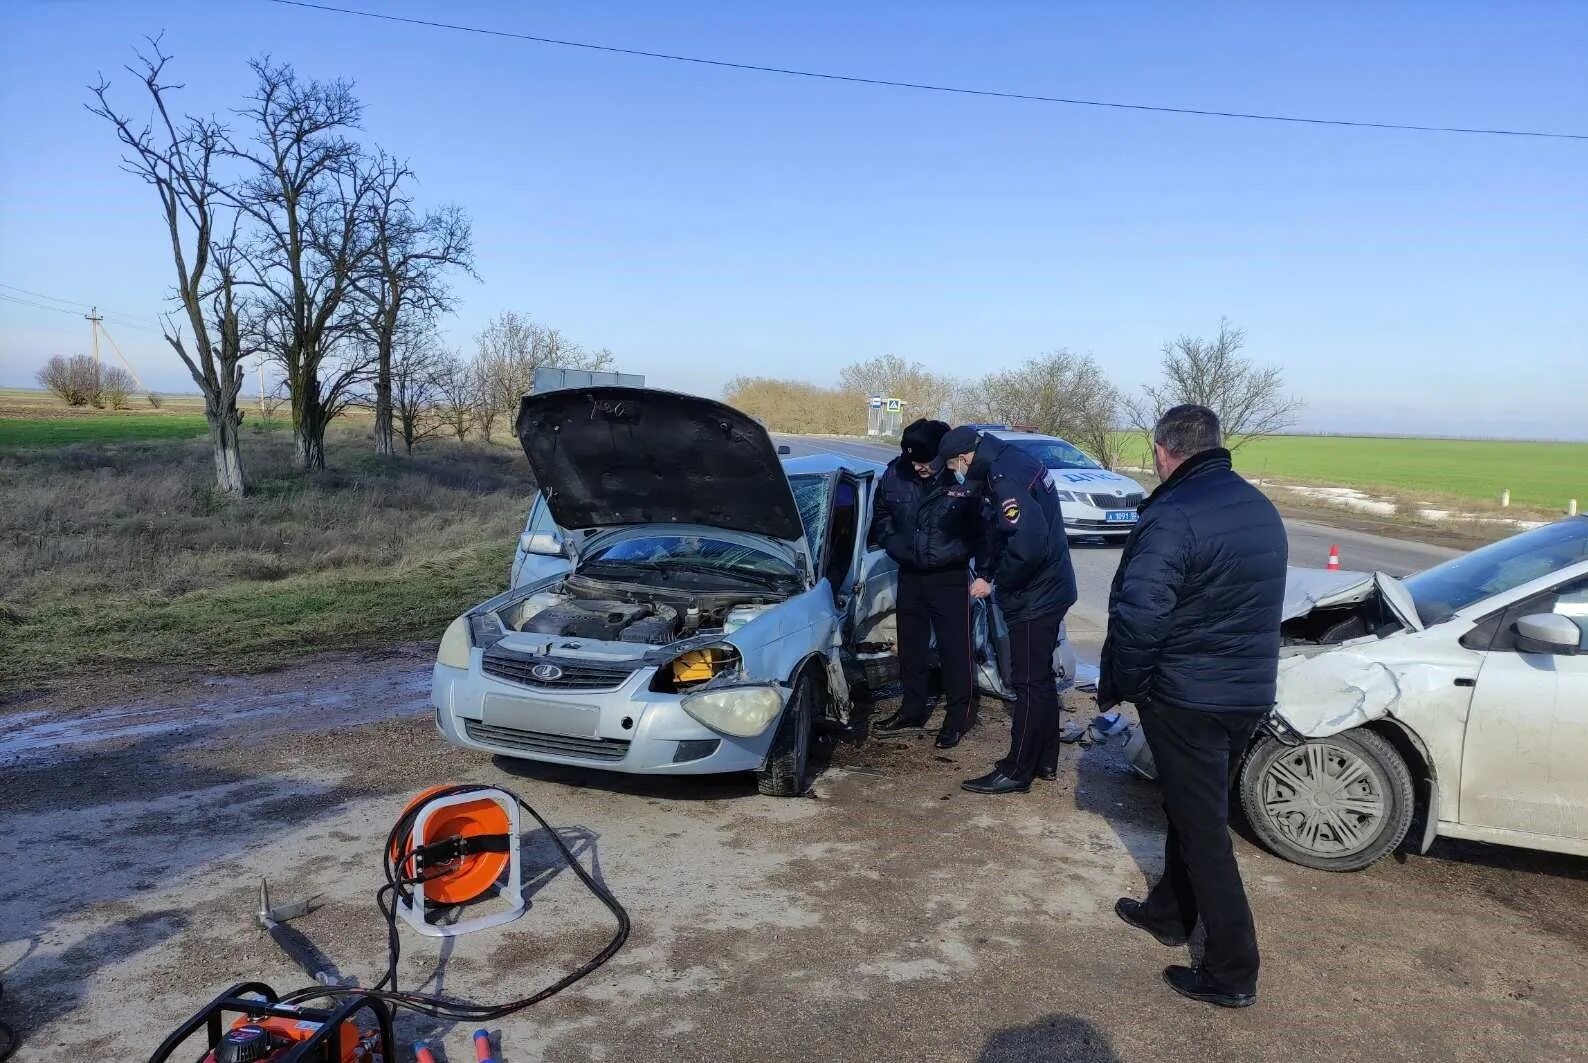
{"points": [[783, 448], [1547, 633], [545, 544]]}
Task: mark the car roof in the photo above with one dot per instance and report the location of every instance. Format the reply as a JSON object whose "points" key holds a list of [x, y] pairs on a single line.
{"points": [[1009, 433], [810, 464]]}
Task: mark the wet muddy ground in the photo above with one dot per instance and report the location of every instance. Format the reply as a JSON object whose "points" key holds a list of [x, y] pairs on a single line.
{"points": [[888, 917]]}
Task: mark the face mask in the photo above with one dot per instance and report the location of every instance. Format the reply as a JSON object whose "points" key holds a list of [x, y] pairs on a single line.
{"points": [[959, 475]]}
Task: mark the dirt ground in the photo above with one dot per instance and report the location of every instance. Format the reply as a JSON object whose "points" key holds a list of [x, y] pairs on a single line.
{"points": [[889, 917]]}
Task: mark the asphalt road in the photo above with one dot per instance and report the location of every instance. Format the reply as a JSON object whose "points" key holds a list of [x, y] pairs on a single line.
{"points": [[1095, 563]]}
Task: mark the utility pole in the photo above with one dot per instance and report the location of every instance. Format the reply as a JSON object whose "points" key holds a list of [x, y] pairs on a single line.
{"points": [[93, 319]]}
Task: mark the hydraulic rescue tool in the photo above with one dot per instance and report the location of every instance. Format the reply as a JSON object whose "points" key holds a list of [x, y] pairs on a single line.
{"points": [[453, 846]]}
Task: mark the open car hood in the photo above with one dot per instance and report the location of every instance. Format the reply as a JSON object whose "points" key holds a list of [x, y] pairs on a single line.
{"points": [[611, 456], [1307, 589]]}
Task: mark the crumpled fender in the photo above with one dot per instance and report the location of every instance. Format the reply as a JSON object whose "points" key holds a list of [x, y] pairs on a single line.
{"points": [[1341, 689]]}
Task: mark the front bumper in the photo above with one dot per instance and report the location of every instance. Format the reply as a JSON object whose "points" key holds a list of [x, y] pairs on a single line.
{"points": [[1082, 520], [635, 730]]}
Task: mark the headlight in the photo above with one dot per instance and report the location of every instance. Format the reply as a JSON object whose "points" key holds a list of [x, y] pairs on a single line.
{"points": [[455, 644], [1066, 496], [743, 712], [693, 667]]}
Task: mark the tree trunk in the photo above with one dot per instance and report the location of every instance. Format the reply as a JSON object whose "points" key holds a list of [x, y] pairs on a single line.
{"points": [[383, 428], [308, 422], [309, 445], [225, 440]]}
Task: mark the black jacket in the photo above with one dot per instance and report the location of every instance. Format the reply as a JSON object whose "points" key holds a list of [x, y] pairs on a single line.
{"points": [[927, 525], [1193, 618], [1029, 555]]}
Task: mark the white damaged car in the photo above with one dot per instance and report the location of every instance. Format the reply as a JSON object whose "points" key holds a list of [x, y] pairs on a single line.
{"points": [[682, 602], [1457, 697]]}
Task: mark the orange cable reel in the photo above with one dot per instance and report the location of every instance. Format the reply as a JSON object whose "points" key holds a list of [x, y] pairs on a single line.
{"points": [[458, 849]]}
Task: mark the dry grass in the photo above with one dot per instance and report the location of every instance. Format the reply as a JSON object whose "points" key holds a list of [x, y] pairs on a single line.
{"points": [[120, 553]]}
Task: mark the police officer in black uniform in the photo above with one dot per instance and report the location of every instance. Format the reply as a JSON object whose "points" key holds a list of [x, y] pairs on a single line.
{"points": [[1029, 568], [931, 525]]}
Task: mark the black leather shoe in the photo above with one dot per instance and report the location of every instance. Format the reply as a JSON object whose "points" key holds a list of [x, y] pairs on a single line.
{"points": [[1190, 982], [1048, 774], [899, 722], [995, 782], [1130, 911], [948, 739]]}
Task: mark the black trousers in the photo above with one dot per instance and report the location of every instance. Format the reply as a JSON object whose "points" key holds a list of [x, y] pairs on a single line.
{"points": [[1195, 753], [1034, 733], [940, 602]]}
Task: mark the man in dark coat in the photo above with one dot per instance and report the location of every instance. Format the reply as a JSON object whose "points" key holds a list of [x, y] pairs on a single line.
{"points": [[1193, 643], [1029, 565], [931, 526]]}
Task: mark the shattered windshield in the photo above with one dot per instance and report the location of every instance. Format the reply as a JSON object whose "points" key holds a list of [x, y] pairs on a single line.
{"points": [[1055, 453], [812, 494], [1444, 590]]}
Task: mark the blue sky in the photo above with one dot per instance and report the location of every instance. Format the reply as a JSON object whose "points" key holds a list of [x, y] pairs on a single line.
{"points": [[705, 222]]}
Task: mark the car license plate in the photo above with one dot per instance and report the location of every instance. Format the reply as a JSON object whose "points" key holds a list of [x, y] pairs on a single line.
{"points": [[547, 717], [1121, 516]]}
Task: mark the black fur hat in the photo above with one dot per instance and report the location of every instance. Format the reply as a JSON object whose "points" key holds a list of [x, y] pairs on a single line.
{"points": [[919, 441]]}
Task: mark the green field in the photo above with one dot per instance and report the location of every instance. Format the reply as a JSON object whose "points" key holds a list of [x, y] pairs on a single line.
{"points": [[103, 428], [1539, 475]]}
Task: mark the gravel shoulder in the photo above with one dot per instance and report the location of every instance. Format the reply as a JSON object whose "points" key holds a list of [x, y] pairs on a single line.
{"points": [[888, 917]]}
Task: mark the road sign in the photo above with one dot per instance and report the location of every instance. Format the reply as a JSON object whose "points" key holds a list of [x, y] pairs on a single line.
{"points": [[894, 405], [876, 402]]}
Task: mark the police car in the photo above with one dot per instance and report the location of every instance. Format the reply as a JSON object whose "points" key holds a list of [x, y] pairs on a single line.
{"points": [[1094, 501]]}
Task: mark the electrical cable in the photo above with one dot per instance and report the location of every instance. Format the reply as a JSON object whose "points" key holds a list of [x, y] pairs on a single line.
{"points": [[958, 90], [397, 883], [108, 314], [74, 313]]}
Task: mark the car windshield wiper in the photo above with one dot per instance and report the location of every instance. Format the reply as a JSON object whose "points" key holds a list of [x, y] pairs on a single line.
{"points": [[765, 579]]}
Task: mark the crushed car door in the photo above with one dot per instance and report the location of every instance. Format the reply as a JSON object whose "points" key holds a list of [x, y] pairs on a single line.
{"points": [[542, 547], [1527, 734], [874, 588], [872, 627]]}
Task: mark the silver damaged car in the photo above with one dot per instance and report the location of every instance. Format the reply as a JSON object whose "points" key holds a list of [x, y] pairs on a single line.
{"points": [[683, 602]]}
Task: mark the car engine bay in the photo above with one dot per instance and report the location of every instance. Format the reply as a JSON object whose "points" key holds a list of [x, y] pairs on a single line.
{"points": [[607, 611]]}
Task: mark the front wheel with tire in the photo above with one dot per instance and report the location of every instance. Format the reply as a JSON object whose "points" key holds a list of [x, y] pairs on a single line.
{"points": [[787, 770], [1336, 804]]}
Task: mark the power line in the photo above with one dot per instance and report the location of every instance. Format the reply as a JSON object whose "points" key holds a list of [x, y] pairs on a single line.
{"points": [[73, 313], [126, 320], [926, 87]]}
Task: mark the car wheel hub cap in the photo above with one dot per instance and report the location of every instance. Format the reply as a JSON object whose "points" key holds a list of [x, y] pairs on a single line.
{"points": [[1324, 798]]}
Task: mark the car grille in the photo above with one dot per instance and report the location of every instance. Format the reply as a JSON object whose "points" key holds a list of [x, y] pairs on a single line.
{"points": [[540, 742], [576, 675], [1112, 501]]}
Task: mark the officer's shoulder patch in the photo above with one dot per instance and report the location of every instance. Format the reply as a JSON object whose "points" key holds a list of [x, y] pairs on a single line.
{"points": [[1011, 510]]}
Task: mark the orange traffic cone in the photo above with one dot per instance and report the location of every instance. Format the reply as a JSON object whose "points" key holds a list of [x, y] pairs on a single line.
{"points": [[1334, 559]]}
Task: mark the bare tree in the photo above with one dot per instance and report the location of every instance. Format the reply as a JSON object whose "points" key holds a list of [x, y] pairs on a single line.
{"points": [[924, 392], [453, 381], [1062, 393], [306, 191], [179, 160], [416, 355], [115, 387], [74, 380], [795, 405], [405, 274], [510, 348], [1249, 399]]}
